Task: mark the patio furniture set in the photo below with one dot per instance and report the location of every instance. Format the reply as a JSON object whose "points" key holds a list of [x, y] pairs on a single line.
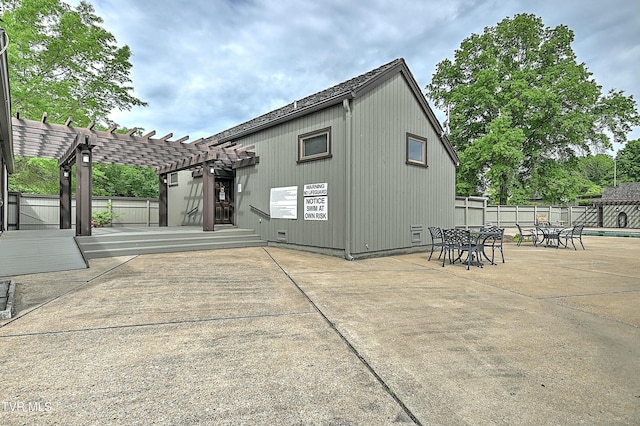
{"points": [[454, 243], [551, 235]]}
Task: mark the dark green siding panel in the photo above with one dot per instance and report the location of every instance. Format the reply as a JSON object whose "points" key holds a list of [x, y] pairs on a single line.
{"points": [[389, 196], [278, 151]]}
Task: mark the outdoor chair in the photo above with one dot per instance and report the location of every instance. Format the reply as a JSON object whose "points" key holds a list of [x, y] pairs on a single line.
{"points": [[495, 242], [457, 242], [574, 233], [449, 244], [436, 240], [529, 233], [469, 243]]}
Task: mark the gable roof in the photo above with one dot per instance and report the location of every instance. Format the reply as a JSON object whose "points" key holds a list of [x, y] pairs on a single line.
{"points": [[349, 89], [627, 192]]}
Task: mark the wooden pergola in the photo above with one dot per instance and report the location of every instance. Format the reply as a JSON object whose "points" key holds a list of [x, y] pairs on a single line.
{"points": [[83, 146]]}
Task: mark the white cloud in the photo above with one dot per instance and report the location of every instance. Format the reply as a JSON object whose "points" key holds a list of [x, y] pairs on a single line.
{"points": [[206, 65]]}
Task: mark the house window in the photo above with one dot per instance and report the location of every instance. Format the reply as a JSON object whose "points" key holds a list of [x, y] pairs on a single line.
{"points": [[173, 179], [416, 150], [314, 145]]}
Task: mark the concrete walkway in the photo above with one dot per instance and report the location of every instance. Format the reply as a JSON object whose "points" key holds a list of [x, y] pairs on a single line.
{"points": [[269, 336]]}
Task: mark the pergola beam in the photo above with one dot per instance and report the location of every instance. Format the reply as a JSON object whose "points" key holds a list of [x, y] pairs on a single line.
{"points": [[84, 146], [36, 139]]}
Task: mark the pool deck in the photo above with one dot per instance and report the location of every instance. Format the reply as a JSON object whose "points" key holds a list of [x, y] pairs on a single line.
{"points": [[267, 335]]}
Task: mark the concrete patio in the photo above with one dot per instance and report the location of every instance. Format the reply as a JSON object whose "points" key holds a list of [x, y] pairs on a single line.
{"points": [[273, 336]]}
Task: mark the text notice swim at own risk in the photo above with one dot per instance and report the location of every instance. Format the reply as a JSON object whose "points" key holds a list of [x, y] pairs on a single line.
{"points": [[316, 208]]}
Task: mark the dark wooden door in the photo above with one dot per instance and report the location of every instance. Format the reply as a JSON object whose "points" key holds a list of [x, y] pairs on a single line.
{"points": [[224, 201]]}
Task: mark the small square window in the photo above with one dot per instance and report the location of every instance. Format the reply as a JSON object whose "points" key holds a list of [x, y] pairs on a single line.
{"points": [[315, 145], [416, 150], [173, 179]]}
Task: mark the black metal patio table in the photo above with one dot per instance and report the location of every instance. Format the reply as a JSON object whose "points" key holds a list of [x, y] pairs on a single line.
{"points": [[470, 241], [550, 235]]}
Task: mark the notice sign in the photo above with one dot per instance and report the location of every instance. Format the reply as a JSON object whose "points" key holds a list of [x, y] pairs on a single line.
{"points": [[283, 203], [316, 208], [315, 189]]}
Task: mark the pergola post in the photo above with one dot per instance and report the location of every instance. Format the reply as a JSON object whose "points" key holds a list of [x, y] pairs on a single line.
{"points": [[209, 196], [83, 189], [163, 216], [65, 197]]}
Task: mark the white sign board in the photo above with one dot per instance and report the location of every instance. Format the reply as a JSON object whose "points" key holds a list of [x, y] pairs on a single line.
{"points": [[283, 203], [316, 208], [315, 189]]}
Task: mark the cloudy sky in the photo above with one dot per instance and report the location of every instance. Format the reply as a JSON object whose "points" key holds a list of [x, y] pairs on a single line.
{"points": [[206, 65]]}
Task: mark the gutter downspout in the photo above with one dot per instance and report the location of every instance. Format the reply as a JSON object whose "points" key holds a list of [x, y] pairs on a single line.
{"points": [[347, 180]]}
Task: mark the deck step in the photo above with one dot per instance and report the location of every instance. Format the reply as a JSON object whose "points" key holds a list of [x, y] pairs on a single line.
{"points": [[111, 244]]}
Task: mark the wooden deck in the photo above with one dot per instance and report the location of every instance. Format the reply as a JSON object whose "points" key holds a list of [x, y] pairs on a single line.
{"points": [[31, 252]]}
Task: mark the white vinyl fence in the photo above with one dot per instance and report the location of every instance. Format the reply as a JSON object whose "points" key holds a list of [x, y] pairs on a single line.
{"points": [[31, 212], [474, 211]]}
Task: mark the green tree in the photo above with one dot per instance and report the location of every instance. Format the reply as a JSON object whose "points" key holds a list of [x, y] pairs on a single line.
{"points": [[124, 181], [61, 61], [41, 176], [35, 176], [597, 172], [628, 162], [529, 73]]}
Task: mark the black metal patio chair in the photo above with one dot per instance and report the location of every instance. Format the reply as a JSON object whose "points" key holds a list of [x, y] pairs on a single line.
{"points": [[450, 244], [495, 242], [529, 233], [457, 242], [574, 233], [436, 240]]}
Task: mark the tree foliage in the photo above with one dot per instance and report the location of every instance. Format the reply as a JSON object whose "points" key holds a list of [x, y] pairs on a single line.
{"points": [[42, 175], [517, 96], [61, 61], [628, 162], [597, 169], [35, 176]]}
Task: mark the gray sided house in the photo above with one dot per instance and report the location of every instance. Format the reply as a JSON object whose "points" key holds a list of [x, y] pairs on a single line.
{"points": [[360, 169], [619, 206]]}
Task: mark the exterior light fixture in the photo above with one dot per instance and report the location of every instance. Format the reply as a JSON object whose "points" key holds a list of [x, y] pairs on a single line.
{"points": [[65, 173], [212, 170], [85, 157]]}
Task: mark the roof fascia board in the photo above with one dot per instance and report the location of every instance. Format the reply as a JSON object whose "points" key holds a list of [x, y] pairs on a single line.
{"points": [[370, 84], [6, 132], [417, 93], [288, 117]]}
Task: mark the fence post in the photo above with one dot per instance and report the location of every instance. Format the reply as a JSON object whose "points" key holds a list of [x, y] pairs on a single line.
{"points": [[148, 213], [18, 210], [570, 216], [466, 212]]}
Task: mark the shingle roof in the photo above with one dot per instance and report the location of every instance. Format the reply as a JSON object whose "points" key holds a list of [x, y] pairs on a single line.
{"points": [[628, 191], [346, 90], [335, 93]]}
